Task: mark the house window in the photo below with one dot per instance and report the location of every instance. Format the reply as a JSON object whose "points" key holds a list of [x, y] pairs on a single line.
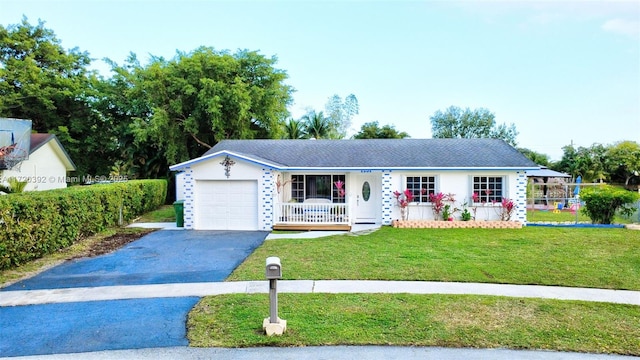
{"points": [[297, 187], [421, 187], [488, 188], [317, 186]]}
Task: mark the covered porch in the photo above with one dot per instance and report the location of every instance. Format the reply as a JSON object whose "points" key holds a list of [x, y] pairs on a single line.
{"points": [[312, 214]]}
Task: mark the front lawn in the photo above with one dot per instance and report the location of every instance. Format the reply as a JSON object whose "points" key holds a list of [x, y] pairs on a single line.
{"points": [[601, 258], [598, 258], [165, 213], [418, 320]]}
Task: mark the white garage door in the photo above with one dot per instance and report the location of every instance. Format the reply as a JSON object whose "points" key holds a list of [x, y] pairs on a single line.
{"points": [[226, 205]]}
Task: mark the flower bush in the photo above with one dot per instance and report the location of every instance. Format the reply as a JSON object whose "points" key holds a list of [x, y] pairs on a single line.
{"points": [[442, 210], [403, 199], [437, 203], [507, 207], [444, 206]]}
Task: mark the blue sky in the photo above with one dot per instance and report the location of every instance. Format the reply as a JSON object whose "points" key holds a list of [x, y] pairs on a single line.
{"points": [[562, 72]]}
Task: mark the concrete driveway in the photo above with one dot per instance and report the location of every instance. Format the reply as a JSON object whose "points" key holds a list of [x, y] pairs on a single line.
{"points": [[158, 258]]}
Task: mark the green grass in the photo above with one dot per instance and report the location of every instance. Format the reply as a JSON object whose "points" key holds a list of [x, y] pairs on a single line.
{"points": [[418, 320], [549, 215], [568, 216], [598, 258], [603, 258], [165, 213]]}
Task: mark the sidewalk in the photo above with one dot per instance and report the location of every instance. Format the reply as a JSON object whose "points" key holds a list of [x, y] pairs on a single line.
{"points": [[49, 296]]}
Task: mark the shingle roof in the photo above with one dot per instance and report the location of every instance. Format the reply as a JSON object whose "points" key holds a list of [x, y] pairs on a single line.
{"points": [[380, 153], [39, 139]]}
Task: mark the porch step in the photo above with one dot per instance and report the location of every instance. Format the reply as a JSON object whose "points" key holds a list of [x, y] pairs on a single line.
{"points": [[310, 227]]}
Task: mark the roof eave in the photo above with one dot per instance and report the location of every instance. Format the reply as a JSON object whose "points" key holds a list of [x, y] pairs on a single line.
{"points": [[59, 150], [183, 165], [412, 168]]}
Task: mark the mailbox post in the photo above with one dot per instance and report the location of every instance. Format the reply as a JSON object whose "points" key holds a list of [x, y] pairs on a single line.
{"points": [[273, 325]]}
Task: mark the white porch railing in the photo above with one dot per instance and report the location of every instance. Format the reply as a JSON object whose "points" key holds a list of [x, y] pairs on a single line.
{"points": [[314, 213]]}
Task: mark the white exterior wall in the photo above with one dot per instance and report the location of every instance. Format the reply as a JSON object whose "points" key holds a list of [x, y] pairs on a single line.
{"points": [[180, 186], [459, 183], [241, 170], [44, 170]]}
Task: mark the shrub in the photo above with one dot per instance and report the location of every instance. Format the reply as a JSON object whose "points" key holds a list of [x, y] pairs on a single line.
{"points": [[33, 224], [16, 185], [465, 215], [602, 202]]}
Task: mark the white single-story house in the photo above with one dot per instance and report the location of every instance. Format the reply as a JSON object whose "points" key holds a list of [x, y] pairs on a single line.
{"points": [[47, 165], [331, 184]]}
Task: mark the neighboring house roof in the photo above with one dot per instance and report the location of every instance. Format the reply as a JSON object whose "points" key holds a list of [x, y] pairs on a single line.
{"points": [[546, 172], [38, 140], [373, 153]]}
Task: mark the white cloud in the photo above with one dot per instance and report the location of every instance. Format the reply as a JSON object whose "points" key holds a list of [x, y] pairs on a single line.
{"points": [[622, 26]]}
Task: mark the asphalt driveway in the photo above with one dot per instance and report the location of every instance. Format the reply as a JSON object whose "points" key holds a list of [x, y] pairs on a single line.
{"points": [[161, 257], [158, 258]]}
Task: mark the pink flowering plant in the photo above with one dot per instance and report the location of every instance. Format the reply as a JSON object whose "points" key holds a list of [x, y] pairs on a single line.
{"points": [[442, 210], [403, 199], [437, 204], [506, 209], [339, 211], [340, 187], [475, 199]]}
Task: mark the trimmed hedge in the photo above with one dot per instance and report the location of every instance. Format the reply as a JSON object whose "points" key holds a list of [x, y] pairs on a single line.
{"points": [[34, 224]]}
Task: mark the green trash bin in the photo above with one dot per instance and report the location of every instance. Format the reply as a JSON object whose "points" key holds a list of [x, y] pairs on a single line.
{"points": [[178, 206]]}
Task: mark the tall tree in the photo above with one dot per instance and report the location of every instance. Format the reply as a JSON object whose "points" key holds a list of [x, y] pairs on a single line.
{"points": [[623, 160], [479, 123], [202, 97], [538, 158], [372, 130], [587, 162], [340, 113], [120, 102], [51, 86]]}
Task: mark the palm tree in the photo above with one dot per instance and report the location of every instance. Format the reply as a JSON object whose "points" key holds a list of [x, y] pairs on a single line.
{"points": [[316, 125], [294, 129]]}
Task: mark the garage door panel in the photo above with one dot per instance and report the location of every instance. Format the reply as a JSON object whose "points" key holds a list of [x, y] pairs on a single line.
{"points": [[226, 205]]}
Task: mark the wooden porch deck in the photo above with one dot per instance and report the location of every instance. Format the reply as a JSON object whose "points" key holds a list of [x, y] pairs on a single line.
{"points": [[312, 226]]}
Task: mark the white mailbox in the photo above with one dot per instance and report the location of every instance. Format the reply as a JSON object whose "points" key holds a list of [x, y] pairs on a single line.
{"points": [[273, 268]]}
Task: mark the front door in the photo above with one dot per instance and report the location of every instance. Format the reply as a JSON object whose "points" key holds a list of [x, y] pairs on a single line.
{"points": [[367, 198]]}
